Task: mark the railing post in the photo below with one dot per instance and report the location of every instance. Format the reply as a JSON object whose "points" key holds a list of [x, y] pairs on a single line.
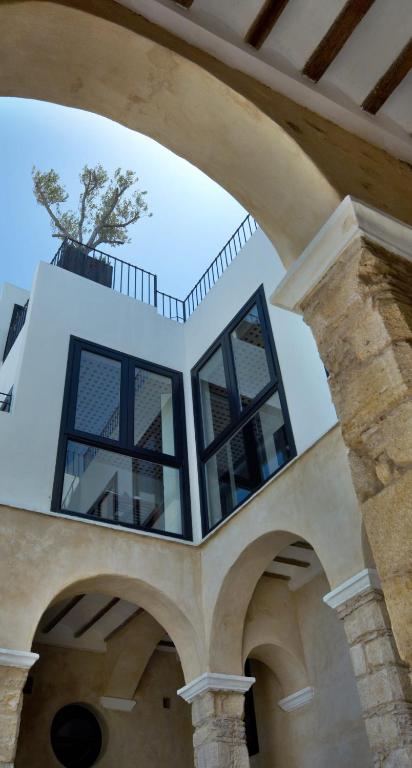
{"points": [[155, 290]]}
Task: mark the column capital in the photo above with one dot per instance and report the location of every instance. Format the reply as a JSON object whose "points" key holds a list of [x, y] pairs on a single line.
{"points": [[360, 582], [350, 221], [17, 659], [215, 681]]}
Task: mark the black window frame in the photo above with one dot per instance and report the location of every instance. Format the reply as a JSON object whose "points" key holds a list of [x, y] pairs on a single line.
{"points": [[240, 416], [125, 444]]}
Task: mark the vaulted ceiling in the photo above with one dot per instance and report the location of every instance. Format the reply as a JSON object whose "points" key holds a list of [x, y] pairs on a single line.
{"points": [[349, 60]]}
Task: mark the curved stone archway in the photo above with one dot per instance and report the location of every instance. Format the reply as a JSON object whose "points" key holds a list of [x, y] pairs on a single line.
{"points": [[304, 503], [64, 560], [287, 166]]}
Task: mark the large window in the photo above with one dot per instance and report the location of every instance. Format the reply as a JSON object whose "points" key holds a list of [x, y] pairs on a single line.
{"points": [[122, 455], [242, 425]]}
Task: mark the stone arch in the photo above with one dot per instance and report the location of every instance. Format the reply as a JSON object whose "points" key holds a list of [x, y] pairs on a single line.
{"points": [[271, 634], [102, 60], [166, 613], [287, 166], [288, 669], [300, 503]]}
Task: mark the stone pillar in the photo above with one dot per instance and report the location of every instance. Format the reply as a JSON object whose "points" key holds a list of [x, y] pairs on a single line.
{"points": [[217, 715], [382, 678], [353, 285], [14, 667]]}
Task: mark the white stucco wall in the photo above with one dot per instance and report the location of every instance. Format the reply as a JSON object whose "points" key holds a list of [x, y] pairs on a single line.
{"points": [[63, 304]]}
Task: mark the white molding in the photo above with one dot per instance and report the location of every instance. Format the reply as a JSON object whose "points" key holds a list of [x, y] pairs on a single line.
{"points": [[297, 700], [17, 659], [213, 681], [119, 705], [360, 582], [351, 220]]}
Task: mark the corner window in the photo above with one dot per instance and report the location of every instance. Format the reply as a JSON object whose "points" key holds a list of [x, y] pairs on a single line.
{"points": [[242, 425], [122, 455]]}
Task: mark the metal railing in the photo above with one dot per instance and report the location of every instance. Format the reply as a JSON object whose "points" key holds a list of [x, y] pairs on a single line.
{"points": [[219, 265], [140, 284], [5, 401], [107, 270], [17, 321]]}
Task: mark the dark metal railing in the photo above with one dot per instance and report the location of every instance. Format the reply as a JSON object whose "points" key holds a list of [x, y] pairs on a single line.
{"points": [[5, 401], [141, 284], [17, 321], [171, 307], [219, 265], [107, 270]]}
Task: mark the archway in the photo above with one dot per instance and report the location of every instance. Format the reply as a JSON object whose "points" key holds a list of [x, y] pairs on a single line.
{"points": [[265, 151], [104, 688], [296, 648]]}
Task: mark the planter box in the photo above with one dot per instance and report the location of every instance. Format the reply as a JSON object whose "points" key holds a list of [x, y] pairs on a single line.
{"points": [[75, 260]]}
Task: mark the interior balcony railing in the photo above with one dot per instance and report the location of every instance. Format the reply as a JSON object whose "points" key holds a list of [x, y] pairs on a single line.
{"points": [[141, 284]]}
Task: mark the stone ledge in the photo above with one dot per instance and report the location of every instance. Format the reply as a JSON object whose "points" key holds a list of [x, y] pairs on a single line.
{"points": [[17, 659], [360, 582], [213, 681]]}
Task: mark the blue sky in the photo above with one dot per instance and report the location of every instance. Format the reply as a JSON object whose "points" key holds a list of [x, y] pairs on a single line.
{"points": [[192, 216]]}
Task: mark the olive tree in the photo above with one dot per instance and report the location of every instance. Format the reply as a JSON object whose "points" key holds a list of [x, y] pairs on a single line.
{"points": [[107, 206]]}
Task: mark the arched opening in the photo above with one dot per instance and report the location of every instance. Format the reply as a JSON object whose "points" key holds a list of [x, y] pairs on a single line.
{"points": [[305, 702], [104, 688]]}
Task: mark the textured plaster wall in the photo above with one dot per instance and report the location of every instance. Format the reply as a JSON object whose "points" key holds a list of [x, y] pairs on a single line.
{"points": [[148, 736], [330, 731]]}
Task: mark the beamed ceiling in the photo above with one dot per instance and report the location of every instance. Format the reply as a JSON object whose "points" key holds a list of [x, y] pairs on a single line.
{"points": [[349, 60]]}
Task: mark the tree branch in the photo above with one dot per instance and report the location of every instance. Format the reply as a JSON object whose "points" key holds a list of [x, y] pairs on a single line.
{"points": [[117, 194], [53, 217]]}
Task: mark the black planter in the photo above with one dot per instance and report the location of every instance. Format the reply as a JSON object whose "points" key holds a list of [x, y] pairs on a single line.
{"points": [[73, 258]]}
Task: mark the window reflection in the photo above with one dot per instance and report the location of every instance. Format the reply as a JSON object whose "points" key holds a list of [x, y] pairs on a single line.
{"points": [[123, 489], [153, 412], [214, 397], [98, 396], [246, 460], [251, 364]]}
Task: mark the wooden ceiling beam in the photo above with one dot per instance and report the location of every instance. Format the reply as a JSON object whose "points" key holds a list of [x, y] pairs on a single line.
{"points": [[61, 614], [184, 3], [264, 22], [389, 81], [97, 616], [302, 545], [279, 576], [291, 561], [351, 14]]}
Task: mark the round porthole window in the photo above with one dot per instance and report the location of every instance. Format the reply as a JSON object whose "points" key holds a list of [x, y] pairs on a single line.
{"points": [[76, 736]]}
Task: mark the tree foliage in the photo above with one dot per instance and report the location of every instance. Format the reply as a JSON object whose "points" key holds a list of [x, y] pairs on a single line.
{"points": [[106, 208]]}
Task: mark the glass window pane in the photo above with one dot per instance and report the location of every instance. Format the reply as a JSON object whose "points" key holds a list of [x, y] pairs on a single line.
{"points": [[110, 486], [214, 397], [98, 395], [249, 458], [252, 370], [153, 412], [228, 480], [270, 437]]}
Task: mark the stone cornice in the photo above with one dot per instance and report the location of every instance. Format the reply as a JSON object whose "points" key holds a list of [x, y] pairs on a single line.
{"points": [[119, 705], [17, 659], [213, 681], [350, 221], [360, 582], [297, 700]]}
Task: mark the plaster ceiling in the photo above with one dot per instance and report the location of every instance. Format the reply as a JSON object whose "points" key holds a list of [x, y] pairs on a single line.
{"points": [[361, 39]]}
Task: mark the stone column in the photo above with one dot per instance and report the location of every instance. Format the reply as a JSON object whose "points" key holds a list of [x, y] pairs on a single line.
{"points": [[382, 678], [217, 714], [353, 285], [14, 667]]}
